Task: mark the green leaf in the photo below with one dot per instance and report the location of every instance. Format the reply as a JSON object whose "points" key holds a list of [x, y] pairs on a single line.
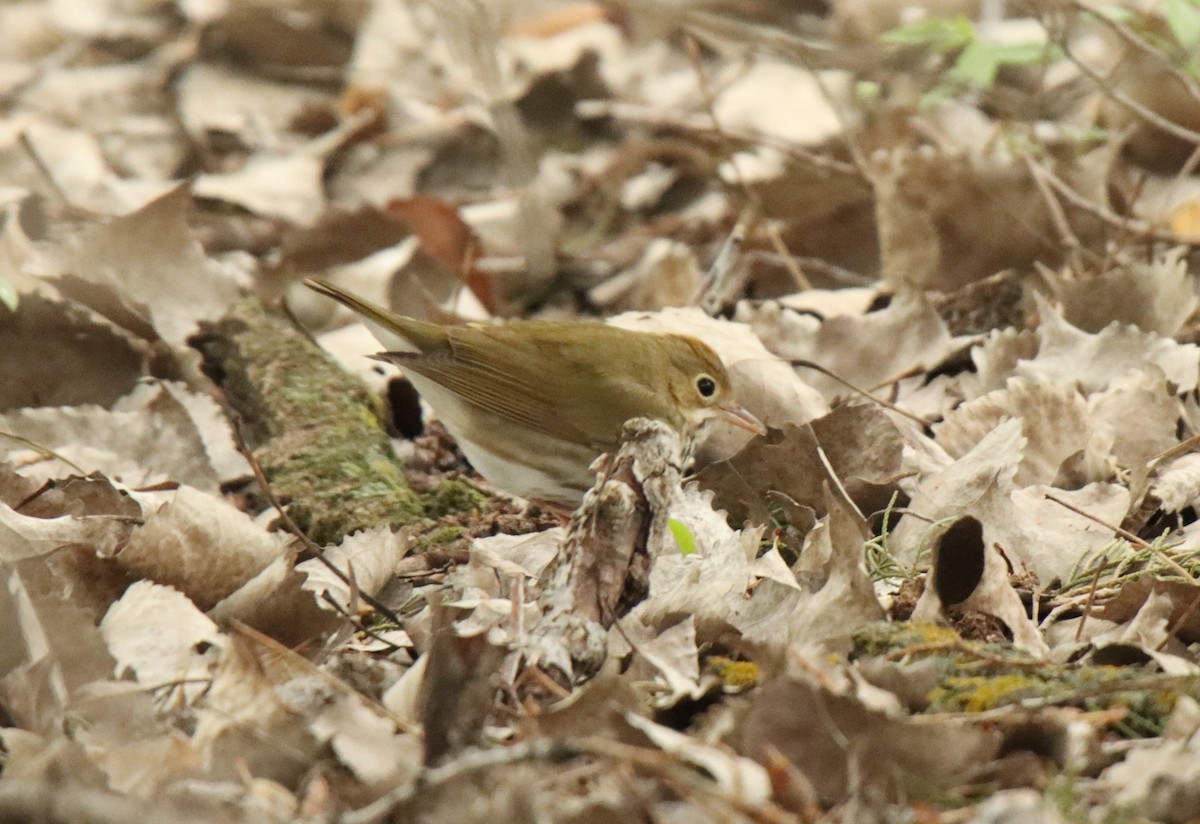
{"points": [[980, 61], [683, 536], [868, 91], [1027, 54], [1192, 67], [1183, 18], [941, 34], [8, 295], [1119, 14], [938, 95], [976, 65]]}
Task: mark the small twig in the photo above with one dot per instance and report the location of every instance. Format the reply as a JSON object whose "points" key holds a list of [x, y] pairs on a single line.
{"points": [[652, 117], [1173, 630], [1087, 607], [1057, 214], [1128, 536], [44, 451], [807, 364], [355, 590], [963, 648], [546, 682], [895, 378], [1181, 448], [838, 274], [1149, 115], [717, 285], [266, 642], [1131, 39], [789, 260], [1106, 688], [1127, 224], [358, 625], [292, 527], [1185, 171], [46, 172]]}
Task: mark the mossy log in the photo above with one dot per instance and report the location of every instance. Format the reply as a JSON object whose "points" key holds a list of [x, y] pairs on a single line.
{"points": [[315, 429]]}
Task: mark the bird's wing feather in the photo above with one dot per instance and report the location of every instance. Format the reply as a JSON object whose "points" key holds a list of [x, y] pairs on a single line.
{"points": [[510, 381], [554, 379]]}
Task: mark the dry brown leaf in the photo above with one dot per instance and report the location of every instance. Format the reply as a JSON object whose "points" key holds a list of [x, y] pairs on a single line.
{"points": [[54, 353], [198, 543], [937, 231], [1177, 482], [739, 778], [367, 743], [673, 655], [158, 635], [785, 102], [275, 603], [82, 173], [283, 186], [1093, 361], [870, 351], [144, 271], [839, 596], [1155, 296], [1034, 532], [84, 512], [158, 432], [52, 649], [247, 724], [967, 572], [858, 442], [1159, 781], [215, 101], [368, 558], [1054, 421], [666, 275], [833, 739]]}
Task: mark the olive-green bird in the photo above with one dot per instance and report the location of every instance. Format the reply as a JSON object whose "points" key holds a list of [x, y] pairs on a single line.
{"points": [[532, 403]]}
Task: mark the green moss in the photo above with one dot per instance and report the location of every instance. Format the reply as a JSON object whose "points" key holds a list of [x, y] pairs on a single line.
{"points": [[979, 693], [443, 535], [883, 637], [313, 428], [452, 497], [734, 674], [436, 537], [979, 677]]}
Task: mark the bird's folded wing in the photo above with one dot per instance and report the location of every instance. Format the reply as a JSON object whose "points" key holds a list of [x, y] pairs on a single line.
{"points": [[503, 391]]}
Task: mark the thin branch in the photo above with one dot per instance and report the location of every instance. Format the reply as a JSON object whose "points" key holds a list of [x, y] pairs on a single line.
{"points": [[807, 364], [1057, 214], [1128, 536], [45, 451], [1091, 599], [652, 117], [1149, 115], [292, 527], [1132, 225], [1131, 39]]}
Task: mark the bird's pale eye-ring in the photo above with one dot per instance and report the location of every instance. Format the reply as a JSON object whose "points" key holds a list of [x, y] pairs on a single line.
{"points": [[706, 386]]}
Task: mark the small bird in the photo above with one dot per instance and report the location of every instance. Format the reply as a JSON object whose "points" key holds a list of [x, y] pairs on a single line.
{"points": [[532, 403]]}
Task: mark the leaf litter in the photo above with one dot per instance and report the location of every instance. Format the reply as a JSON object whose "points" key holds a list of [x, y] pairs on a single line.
{"points": [[946, 251]]}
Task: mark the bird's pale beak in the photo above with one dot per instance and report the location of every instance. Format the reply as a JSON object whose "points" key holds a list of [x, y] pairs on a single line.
{"points": [[742, 417]]}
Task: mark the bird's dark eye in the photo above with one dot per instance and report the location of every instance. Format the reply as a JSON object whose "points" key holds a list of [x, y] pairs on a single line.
{"points": [[706, 386]]}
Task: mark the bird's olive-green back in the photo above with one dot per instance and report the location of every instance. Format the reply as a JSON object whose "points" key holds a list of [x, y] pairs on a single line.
{"points": [[577, 381]]}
